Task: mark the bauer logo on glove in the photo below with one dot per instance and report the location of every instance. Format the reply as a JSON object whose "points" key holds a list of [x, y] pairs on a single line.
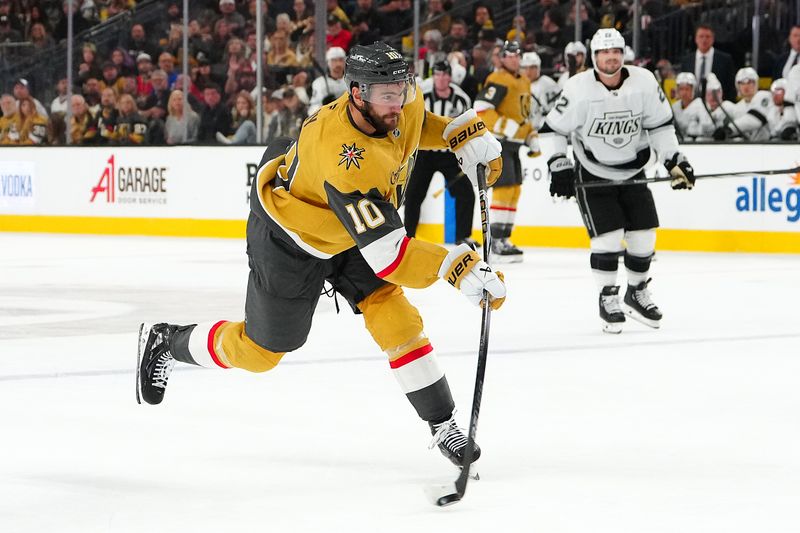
{"points": [[473, 145], [465, 271], [472, 128]]}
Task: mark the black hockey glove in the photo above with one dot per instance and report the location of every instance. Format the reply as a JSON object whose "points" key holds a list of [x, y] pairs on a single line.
{"points": [[721, 133], [681, 171], [562, 176], [789, 134]]}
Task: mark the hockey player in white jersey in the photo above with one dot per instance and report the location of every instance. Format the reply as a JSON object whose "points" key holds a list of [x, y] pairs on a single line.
{"points": [[750, 112], [686, 85], [575, 57], [617, 116], [705, 115], [544, 89], [325, 89], [782, 116]]}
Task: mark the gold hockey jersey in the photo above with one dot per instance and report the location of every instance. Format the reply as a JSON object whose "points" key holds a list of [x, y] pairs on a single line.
{"points": [[505, 96], [337, 187]]}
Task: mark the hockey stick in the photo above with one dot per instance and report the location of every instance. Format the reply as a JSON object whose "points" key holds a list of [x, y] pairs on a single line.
{"points": [[452, 493], [610, 183]]}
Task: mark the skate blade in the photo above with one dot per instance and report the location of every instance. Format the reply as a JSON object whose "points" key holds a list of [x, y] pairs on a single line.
{"points": [[614, 328], [636, 315], [506, 259], [144, 333]]}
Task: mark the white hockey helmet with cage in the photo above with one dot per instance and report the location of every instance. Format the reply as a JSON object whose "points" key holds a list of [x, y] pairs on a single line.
{"points": [[746, 74], [686, 78], [530, 59]]}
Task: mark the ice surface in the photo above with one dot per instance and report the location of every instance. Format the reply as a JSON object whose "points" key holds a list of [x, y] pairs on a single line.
{"points": [[692, 428]]}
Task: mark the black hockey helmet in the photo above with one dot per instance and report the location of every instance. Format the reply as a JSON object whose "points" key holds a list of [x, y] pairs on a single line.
{"points": [[510, 48], [442, 66], [375, 63]]}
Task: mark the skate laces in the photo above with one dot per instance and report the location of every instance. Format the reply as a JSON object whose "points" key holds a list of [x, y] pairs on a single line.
{"points": [[642, 296], [611, 303], [164, 363], [448, 434]]}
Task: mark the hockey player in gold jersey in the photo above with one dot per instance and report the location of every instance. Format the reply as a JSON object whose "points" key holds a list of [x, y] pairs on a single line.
{"points": [[324, 209], [504, 104]]}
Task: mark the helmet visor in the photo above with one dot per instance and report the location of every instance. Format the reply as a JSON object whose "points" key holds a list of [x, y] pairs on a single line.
{"points": [[391, 94]]}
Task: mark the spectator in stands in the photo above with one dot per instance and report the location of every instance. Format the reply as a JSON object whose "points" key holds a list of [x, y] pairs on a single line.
{"points": [[436, 18], [588, 25], [131, 126], [518, 30], [664, 70], [280, 54], [36, 15], [124, 63], [204, 76], [462, 74], [79, 24], [302, 16], [266, 17], [233, 18], [111, 78], [106, 117], [481, 20], [56, 129], [327, 88], [138, 42], [182, 125], [89, 67], [270, 105], [333, 8], [14, 19], [174, 40], [293, 114], [535, 11], [551, 39], [39, 38], [82, 127], [9, 123], [22, 90], [154, 107], [364, 33], [396, 17], [457, 39], [91, 94], [482, 65], [214, 117], [786, 61], [166, 63], [431, 51], [782, 118], [59, 103], [89, 12], [707, 59], [144, 66], [337, 35], [243, 122], [221, 35]]}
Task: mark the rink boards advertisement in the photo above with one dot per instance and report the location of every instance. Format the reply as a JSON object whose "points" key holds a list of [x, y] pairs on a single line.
{"points": [[204, 191]]}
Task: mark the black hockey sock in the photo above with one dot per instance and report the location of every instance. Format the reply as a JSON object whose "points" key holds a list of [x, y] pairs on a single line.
{"points": [[501, 231], [640, 265], [433, 403], [180, 344], [607, 262]]}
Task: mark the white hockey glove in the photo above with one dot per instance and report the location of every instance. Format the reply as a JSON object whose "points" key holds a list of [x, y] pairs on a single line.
{"points": [[464, 270], [473, 145], [532, 141], [681, 171]]}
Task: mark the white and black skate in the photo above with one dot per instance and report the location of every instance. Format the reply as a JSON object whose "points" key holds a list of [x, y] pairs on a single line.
{"points": [[610, 311], [154, 362], [503, 251], [639, 305], [452, 442]]}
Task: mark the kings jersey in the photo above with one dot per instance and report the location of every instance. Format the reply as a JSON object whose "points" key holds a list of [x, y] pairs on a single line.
{"points": [[338, 187]]}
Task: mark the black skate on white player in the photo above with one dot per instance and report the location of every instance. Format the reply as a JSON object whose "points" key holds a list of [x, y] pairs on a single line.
{"points": [[639, 305], [154, 362], [452, 441], [610, 311]]}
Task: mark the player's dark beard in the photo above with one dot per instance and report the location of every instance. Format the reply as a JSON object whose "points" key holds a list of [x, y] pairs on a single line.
{"points": [[377, 121]]}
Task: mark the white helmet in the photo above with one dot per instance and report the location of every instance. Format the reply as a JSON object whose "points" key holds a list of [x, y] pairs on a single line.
{"points": [[607, 39], [712, 82], [575, 47], [746, 74], [686, 78], [780, 84], [335, 52], [628, 56], [530, 59]]}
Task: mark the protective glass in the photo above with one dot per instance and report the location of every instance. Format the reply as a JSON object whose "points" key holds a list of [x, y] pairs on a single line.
{"points": [[391, 94]]}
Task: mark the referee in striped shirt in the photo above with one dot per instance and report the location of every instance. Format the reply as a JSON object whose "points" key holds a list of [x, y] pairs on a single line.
{"points": [[445, 98]]}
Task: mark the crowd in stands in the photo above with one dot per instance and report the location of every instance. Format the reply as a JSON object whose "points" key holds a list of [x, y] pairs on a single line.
{"points": [[131, 92]]}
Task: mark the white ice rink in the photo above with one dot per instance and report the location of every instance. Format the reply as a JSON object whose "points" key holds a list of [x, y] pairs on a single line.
{"points": [[692, 428]]}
